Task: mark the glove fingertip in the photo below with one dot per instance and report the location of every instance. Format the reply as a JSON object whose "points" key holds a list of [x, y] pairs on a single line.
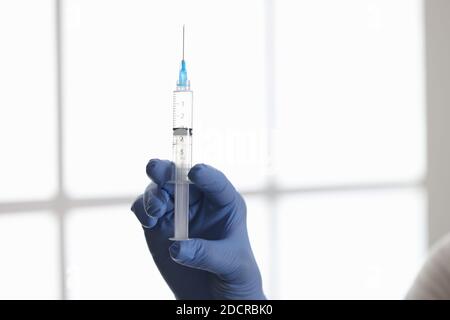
{"points": [[197, 170], [150, 223], [155, 207], [183, 251], [213, 183], [174, 250], [138, 209], [159, 171]]}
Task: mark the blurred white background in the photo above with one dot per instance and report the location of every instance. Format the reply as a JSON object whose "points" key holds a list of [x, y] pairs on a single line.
{"points": [[315, 109]]}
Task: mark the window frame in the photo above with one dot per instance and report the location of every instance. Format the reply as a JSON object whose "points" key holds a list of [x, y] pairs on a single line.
{"points": [[61, 203]]}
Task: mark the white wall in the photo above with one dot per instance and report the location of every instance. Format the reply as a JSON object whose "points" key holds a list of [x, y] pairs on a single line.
{"points": [[437, 27]]}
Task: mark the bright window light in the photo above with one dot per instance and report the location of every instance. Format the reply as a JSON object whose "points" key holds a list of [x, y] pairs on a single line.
{"points": [[349, 92], [355, 245], [29, 253], [108, 257], [27, 100]]}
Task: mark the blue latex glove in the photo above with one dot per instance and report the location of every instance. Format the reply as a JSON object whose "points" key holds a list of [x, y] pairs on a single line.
{"points": [[218, 262]]}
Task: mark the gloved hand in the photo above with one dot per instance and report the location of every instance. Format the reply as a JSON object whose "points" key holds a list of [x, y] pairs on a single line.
{"points": [[218, 262]]}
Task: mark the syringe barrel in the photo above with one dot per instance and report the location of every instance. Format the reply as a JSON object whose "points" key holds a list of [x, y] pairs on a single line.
{"points": [[182, 156], [182, 109], [182, 132]]}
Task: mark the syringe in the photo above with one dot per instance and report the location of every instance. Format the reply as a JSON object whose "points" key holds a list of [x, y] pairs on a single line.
{"points": [[182, 150]]}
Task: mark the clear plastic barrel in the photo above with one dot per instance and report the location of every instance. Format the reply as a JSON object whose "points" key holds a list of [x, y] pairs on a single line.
{"points": [[182, 158]]}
